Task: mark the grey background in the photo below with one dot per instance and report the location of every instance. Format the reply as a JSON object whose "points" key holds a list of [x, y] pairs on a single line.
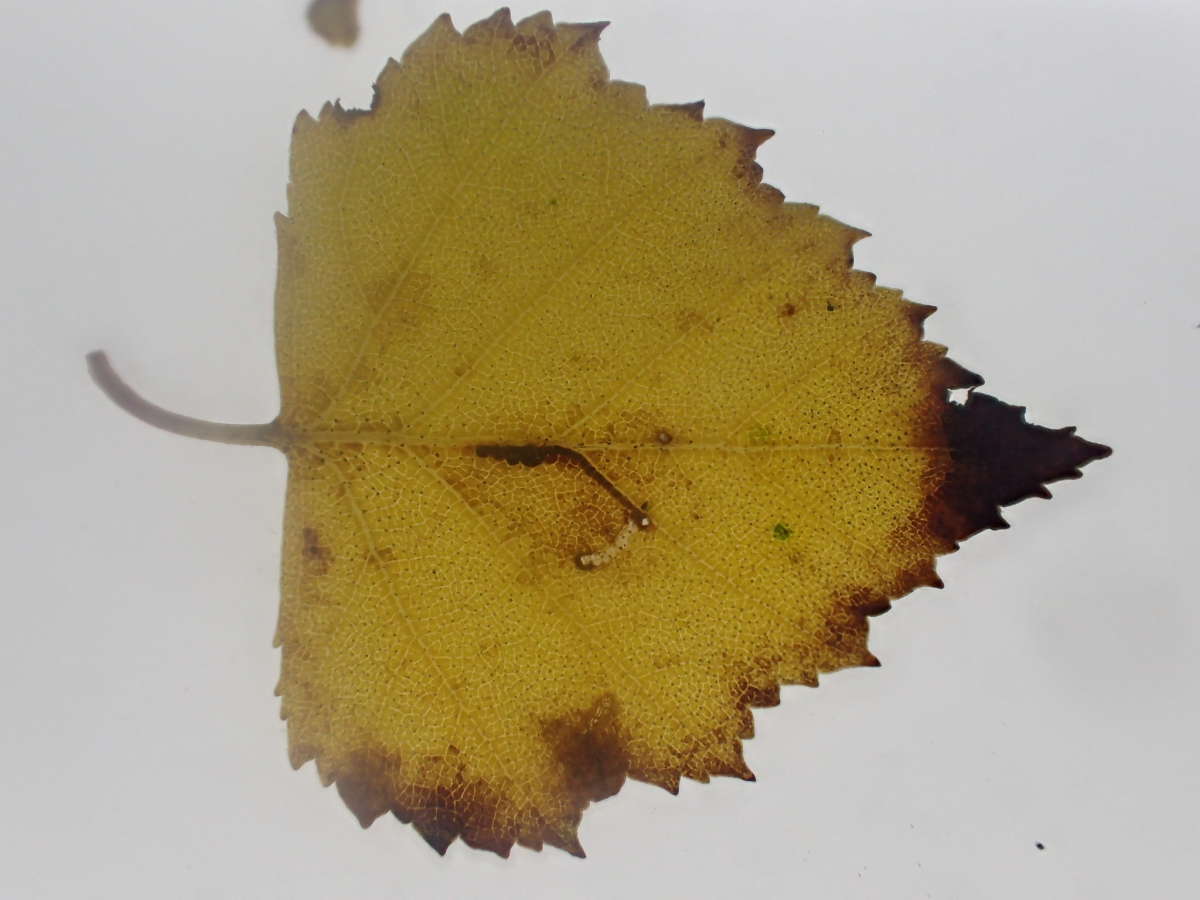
{"points": [[1028, 167]]}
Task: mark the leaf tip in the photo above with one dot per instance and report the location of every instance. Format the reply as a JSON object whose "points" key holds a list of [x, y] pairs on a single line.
{"points": [[998, 459]]}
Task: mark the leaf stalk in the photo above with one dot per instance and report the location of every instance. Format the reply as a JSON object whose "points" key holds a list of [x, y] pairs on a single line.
{"points": [[268, 434]]}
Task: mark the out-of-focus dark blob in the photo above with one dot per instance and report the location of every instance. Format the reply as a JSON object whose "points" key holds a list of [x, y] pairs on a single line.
{"points": [[335, 20]]}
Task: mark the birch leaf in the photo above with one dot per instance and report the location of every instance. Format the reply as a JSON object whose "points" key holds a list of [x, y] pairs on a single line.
{"points": [[594, 441]]}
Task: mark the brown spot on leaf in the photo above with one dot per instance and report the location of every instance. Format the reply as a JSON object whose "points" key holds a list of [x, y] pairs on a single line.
{"points": [[688, 319], [317, 556], [787, 310]]}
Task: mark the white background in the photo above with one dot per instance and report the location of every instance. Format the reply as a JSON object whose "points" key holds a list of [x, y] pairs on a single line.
{"points": [[1030, 168]]}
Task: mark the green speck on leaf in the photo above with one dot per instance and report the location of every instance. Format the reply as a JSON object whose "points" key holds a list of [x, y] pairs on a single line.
{"points": [[781, 532], [759, 434]]}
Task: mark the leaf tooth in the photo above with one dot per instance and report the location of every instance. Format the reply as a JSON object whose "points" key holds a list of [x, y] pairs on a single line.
{"points": [[949, 376], [921, 575], [581, 35], [335, 112], [858, 277], [443, 25], [498, 25], [391, 71], [754, 138], [855, 234], [667, 780], [918, 312], [770, 193], [476, 839], [441, 30], [565, 840], [531, 841], [539, 21], [299, 754], [437, 834], [303, 123], [693, 110], [732, 766]]}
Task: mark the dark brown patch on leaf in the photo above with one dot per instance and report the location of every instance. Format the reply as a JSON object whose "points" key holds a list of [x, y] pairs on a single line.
{"points": [[590, 748], [997, 459], [787, 310], [465, 808], [317, 556]]}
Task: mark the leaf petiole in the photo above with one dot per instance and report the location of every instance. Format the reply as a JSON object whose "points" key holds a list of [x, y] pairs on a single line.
{"points": [[268, 434]]}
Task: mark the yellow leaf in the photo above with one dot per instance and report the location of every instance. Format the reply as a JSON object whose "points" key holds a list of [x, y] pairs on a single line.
{"points": [[593, 440]]}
